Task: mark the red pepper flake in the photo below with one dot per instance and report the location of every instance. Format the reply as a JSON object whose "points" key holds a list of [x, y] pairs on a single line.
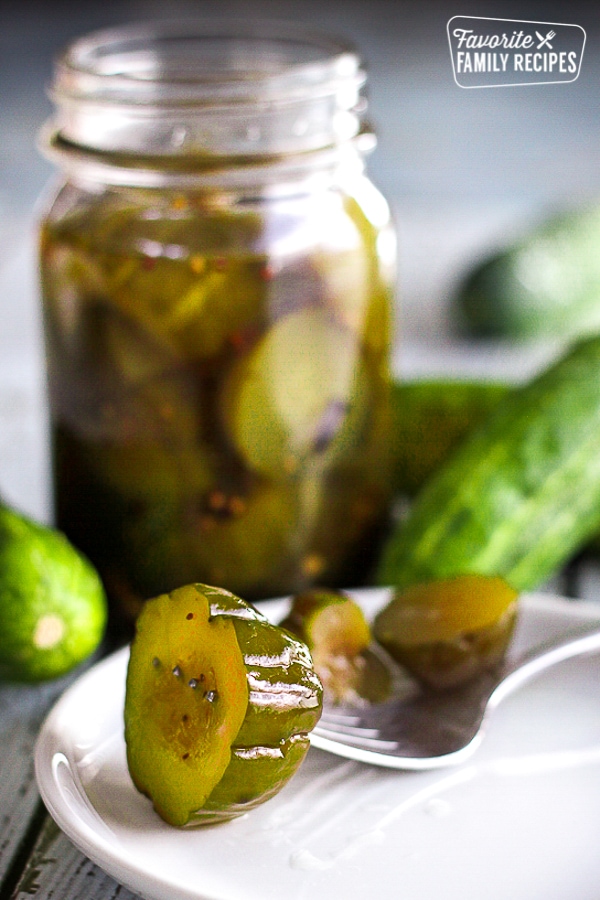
{"points": [[166, 411], [244, 338], [237, 506], [148, 263], [267, 272], [206, 523], [217, 501], [220, 263], [313, 565], [237, 340]]}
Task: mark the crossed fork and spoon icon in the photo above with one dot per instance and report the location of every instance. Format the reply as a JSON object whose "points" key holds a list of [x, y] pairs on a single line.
{"points": [[545, 41]]}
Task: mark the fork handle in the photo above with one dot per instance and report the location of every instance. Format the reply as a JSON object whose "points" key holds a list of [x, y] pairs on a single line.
{"points": [[544, 657]]}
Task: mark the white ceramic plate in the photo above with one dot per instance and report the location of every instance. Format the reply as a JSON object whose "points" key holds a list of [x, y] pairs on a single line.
{"points": [[520, 820]]}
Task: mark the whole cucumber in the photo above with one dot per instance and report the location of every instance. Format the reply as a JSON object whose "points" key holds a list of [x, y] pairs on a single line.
{"points": [[545, 284], [521, 494], [430, 419]]}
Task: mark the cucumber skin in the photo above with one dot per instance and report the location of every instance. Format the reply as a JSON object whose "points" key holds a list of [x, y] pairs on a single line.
{"points": [[430, 420], [521, 495], [547, 284]]}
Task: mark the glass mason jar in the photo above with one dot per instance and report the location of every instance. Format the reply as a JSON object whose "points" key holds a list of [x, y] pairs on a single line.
{"points": [[217, 276]]}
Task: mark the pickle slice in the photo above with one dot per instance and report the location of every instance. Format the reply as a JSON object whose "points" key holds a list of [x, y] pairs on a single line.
{"points": [[358, 281], [186, 746], [116, 382], [245, 542], [70, 273], [220, 308], [189, 279], [295, 393], [255, 774], [195, 306], [345, 284], [186, 699], [330, 622], [338, 636], [150, 472], [447, 632]]}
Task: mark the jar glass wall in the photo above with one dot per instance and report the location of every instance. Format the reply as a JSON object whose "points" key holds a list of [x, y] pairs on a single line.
{"points": [[218, 322]]}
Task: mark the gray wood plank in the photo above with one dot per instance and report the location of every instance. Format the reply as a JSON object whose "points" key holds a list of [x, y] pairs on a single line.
{"points": [[22, 709], [56, 869]]}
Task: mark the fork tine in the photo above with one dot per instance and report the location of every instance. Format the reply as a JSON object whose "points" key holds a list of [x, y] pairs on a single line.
{"points": [[429, 730], [349, 730], [335, 718], [358, 739]]}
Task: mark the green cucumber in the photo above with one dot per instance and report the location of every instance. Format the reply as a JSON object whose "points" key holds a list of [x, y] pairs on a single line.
{"points": [[521, 495], [545, 284], [430, 419]]}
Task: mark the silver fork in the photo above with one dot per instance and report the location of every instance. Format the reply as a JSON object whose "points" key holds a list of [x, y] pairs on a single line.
{"points": [[426, 730]]}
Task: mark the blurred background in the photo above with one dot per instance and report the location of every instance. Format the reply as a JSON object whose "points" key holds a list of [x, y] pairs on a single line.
{"points": [[465, 171]]}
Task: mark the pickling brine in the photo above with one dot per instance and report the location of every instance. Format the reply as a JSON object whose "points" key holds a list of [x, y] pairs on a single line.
{"points": [[218, 368]]}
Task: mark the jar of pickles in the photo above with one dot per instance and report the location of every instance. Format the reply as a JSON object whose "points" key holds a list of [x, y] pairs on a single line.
{"points": [[217, 277]]}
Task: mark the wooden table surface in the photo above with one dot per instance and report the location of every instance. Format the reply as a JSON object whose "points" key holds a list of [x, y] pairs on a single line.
{"points": [[36, 859]]}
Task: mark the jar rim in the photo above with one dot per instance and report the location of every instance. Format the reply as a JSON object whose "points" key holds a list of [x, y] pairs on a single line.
{"points": [[207, 89], [204, 61]]}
